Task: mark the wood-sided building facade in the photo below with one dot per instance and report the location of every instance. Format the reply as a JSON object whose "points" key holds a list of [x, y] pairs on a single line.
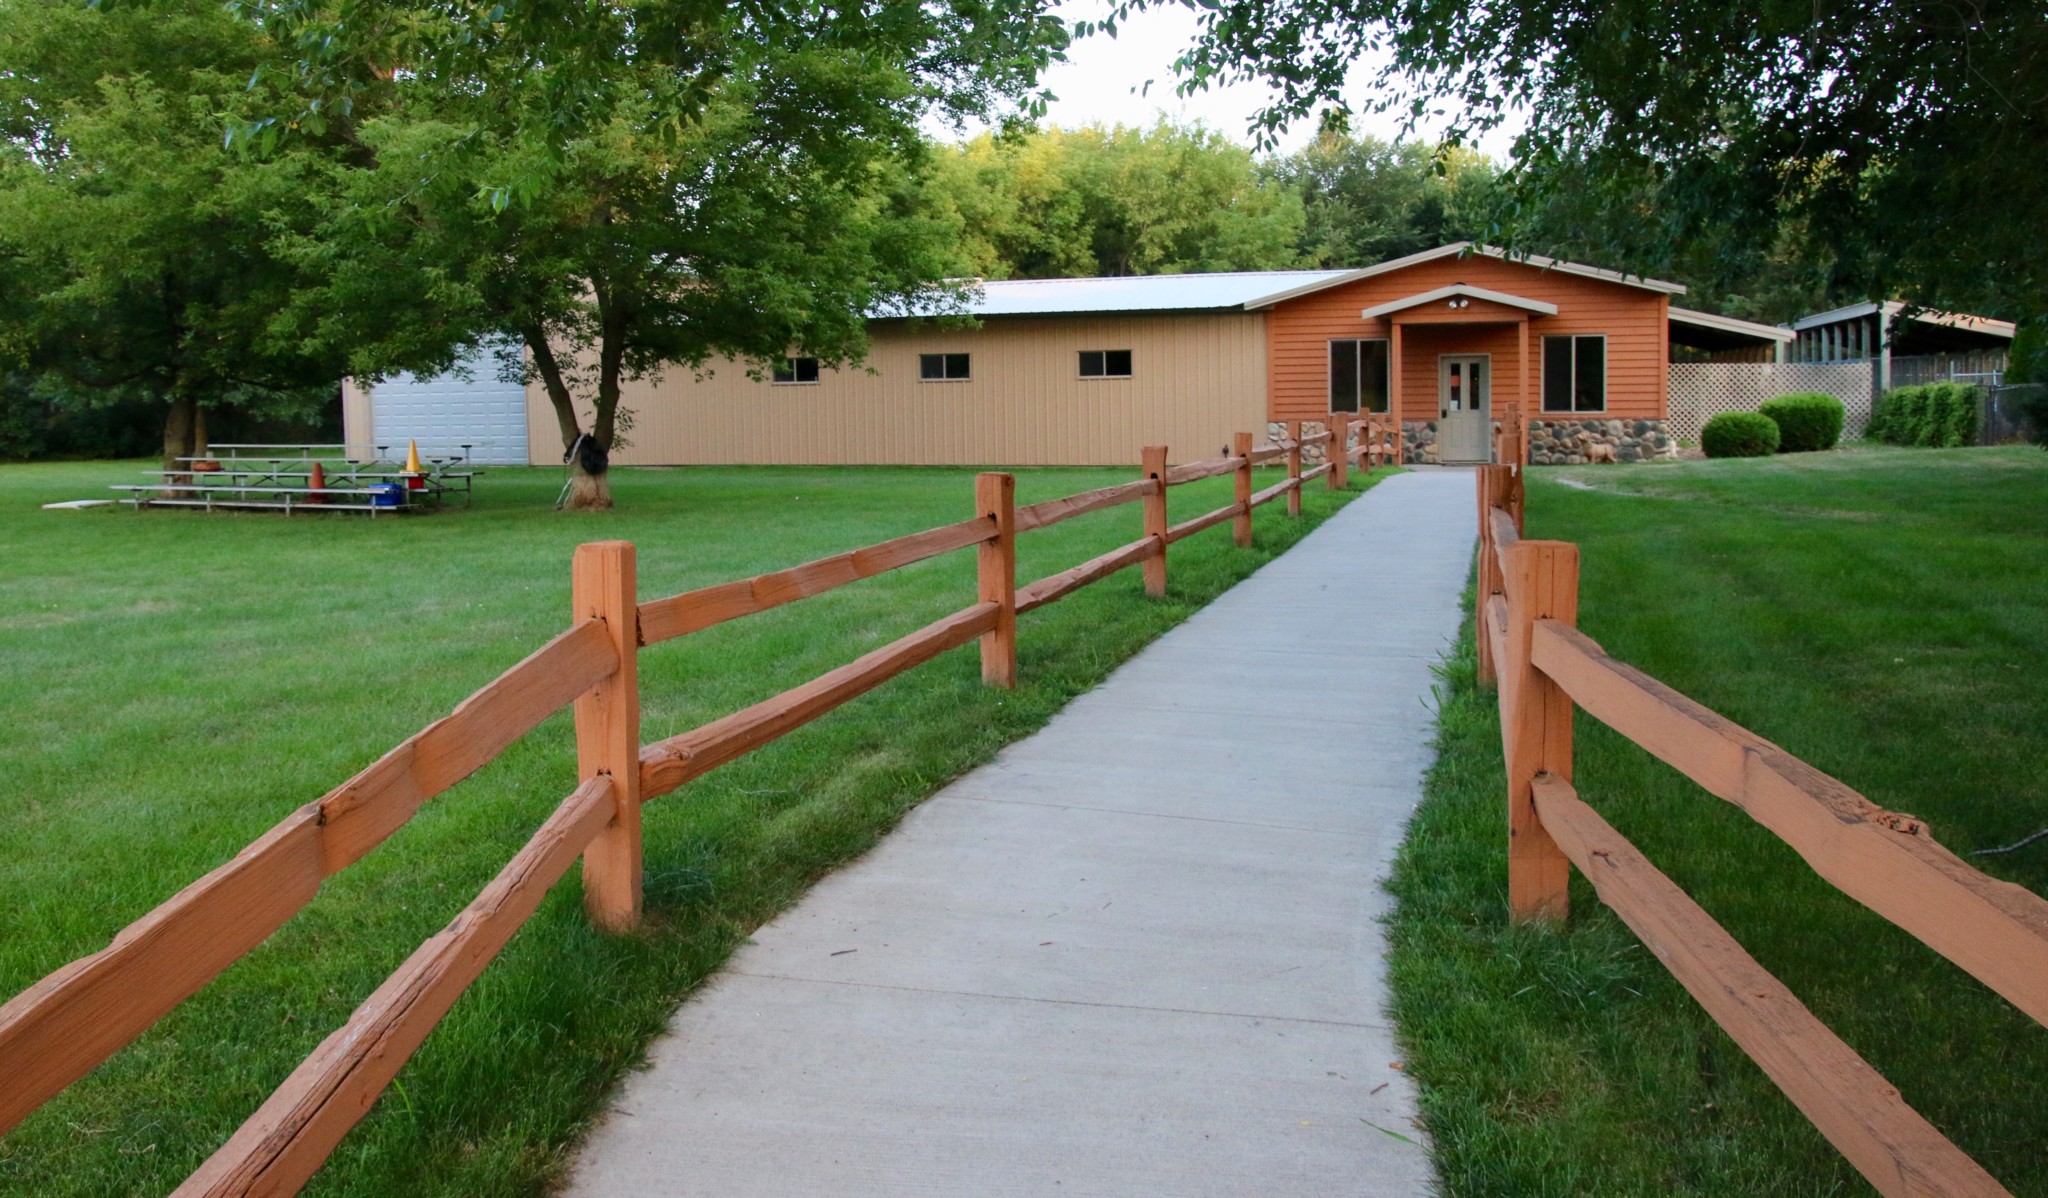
{"points": [[1459, 339]]}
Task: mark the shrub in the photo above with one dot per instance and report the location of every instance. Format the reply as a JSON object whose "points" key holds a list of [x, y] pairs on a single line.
{"points": [[1943, 415], [1807, 421], [1740, 435], [1874, 428]]}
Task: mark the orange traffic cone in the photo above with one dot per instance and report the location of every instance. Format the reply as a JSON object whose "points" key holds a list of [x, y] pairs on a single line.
{"points": [[316, 485], [415, 478]]}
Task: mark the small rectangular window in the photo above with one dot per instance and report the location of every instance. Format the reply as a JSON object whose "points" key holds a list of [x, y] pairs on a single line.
{"points": [[1359, 376], [796, 370], [1575, 373], [933, 368], [1105, 363]]}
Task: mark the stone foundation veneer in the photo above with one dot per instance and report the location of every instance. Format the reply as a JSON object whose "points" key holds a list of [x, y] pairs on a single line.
{"points": [[1311, 455], [1570, 442], [1418, 440], [1551, 442]]}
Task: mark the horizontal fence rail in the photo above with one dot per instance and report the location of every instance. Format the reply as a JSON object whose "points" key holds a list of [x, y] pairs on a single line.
{"points": [[1849, 1101], [694, 611], [286, 1141], [1546, 669], [64, 1026]]}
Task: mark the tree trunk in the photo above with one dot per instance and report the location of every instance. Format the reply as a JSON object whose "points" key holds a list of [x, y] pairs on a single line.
{"points": [[181, 426], [557, 387], [587, 492], [590, 487]]}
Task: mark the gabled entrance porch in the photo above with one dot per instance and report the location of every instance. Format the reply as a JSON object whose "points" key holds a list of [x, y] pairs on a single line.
{"points": [[1447, 347]]}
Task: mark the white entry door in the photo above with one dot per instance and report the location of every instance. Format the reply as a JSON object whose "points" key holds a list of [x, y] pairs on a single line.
{"points": [[1464, 405]]}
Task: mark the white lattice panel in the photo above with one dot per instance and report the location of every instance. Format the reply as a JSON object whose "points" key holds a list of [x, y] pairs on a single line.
{"points": [[1700, 390]]}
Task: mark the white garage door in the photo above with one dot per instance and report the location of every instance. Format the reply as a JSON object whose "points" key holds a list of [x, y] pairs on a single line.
{"points": [[446, 412]]}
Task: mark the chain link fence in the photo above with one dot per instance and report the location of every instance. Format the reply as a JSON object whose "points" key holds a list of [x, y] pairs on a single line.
{"points": [[2005, 412]]}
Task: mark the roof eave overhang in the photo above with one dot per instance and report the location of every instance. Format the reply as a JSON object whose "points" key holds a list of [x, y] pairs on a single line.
{"points": [[1456, 291], [1890, 310], [1460, 247], [1729, 324]]}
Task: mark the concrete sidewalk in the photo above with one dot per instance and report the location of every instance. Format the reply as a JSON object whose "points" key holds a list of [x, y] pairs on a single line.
{"points": [[1136, 954]]}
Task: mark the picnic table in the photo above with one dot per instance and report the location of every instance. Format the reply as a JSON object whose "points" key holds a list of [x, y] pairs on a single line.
{"points": [[283, 481]]}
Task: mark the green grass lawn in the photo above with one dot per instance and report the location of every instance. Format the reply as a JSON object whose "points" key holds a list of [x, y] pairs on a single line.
{"points": [[1881, 613], [172, 683]]}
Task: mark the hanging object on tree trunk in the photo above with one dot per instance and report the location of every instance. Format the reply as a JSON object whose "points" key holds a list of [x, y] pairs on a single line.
{"points": [[585, 489]]}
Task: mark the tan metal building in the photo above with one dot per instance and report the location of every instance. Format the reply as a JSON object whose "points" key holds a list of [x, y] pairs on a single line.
{"points": [[1019, 397]]}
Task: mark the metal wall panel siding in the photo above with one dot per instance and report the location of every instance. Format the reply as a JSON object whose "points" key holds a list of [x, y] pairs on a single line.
{"points": [[1196, 379], [445, 412]]}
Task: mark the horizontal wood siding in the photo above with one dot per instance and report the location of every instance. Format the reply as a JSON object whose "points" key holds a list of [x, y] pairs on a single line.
{"points": [[1299, 331], [1195, 380]]}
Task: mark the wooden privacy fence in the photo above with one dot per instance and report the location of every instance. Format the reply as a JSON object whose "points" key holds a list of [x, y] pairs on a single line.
{"points": [[1530, 647], [62, 1027]]}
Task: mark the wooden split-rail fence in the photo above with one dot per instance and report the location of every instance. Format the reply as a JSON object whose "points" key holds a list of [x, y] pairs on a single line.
{"points": [[59, 1029], [1530, 647]]}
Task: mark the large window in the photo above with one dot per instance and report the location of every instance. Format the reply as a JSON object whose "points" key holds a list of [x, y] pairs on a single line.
{"points": [[796, 370], [1575, 374], [1105, 363], [1358, 376], [941, 368]]}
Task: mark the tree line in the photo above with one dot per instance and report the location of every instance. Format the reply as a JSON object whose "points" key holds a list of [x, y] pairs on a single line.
{"points": [[223, 210], [230, 208]]}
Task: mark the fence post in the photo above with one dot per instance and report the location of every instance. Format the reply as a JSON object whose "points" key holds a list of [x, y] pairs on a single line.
{"points": [[996, 495], [1294, 467], [1241, 527], [1538, 723], [604, 586], [1338, 457], [1488, 575], [1508, 448], [1154, 467]]}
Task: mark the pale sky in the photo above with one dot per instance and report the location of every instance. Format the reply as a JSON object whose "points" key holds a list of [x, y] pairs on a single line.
{"points": [[1102, 79]]}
